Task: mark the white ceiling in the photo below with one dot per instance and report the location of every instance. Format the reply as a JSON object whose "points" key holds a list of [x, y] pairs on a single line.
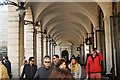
{"points": [[67, 21]]}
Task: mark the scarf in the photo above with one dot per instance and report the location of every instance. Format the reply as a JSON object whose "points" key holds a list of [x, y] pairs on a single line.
{"points": [[74, 67]]}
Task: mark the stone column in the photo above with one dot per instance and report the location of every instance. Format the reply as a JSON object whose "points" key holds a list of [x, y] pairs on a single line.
{"points": [[21, 39], [39, 49], [52, 52], [108, 43], [46, 46], [50, 48], [13, 38], [42, 50], [53, 49], [28, 36], [28, 41], [35, 45]]}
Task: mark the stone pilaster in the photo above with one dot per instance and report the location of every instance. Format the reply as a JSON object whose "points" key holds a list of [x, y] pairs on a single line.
{"points": [[44, 45], [21, 39], [42, 49], [38, 50], [13, 40], [35, 45], [108, 44], [50, 48]]}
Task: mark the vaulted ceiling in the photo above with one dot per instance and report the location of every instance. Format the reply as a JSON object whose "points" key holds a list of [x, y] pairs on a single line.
{"points": [[67, 21]]}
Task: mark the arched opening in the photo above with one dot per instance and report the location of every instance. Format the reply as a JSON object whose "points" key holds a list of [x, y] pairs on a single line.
{"points": [[65, 55]]}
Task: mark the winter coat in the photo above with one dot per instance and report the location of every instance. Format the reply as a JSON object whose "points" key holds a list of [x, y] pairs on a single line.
{"points": [[93, 64], [29, 71], [3, 73]]}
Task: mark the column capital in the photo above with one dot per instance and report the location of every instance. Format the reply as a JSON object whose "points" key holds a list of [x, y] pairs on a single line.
{"points": [[107, 16]]}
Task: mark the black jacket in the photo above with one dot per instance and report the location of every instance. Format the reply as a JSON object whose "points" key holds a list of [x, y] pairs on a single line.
{"points": [[29, 71]]}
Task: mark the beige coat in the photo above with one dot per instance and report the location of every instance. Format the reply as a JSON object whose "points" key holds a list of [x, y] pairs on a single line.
{"points": [[3, 73]]}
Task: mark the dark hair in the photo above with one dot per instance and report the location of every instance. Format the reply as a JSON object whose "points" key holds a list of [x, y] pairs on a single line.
{"points": [[56, 56], [47, 57], [60, 74], [94, 49], [60, 62], [6, 57], [31, 58], [73, 57]]}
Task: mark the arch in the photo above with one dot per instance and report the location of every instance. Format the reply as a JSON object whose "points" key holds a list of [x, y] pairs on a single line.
{"points": [[67, 18], [69, 30], [77, 26], [62, 8]]}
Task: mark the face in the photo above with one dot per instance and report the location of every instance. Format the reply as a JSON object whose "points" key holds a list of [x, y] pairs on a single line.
{"points": [[94, 53], [55, 59], [73, 61], [32, 61], [63, 65], [47, 63]]}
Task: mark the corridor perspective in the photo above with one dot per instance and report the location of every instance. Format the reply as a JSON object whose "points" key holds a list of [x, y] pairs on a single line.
{"points": [[38, 28]]}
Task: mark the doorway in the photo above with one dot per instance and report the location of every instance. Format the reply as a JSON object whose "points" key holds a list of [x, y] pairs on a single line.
{"points": [[65, 55]]}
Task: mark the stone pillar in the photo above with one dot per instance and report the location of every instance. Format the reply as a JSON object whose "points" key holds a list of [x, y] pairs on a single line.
{"points": [[35, 45], [42, 50], [108, 44], [52, 52], [13, 39], [53, 49], [21, 39], [98, 40], [28, 41], [28, 36], [50, 48], [39, 49], [46, 46]]}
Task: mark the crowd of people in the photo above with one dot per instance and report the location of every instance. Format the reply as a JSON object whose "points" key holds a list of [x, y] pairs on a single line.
{"points": [[56, 70]]}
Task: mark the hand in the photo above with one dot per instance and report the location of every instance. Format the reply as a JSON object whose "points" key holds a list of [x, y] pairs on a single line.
{"points": [[97, 51], [87, 76], [92, 52]]}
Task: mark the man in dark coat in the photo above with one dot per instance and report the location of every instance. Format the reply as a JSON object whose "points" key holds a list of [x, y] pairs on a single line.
{"points": [[29, 69]]}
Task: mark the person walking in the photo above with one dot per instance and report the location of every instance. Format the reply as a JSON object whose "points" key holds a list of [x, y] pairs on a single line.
{"points": [[44, 71], [55, 59], [29, 70], [7, 64], [3, 70], [93, 66], [75, 68], [21, 68]]}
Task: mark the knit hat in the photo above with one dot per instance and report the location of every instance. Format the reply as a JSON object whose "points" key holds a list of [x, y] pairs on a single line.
{"points": [[1, 56]]}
